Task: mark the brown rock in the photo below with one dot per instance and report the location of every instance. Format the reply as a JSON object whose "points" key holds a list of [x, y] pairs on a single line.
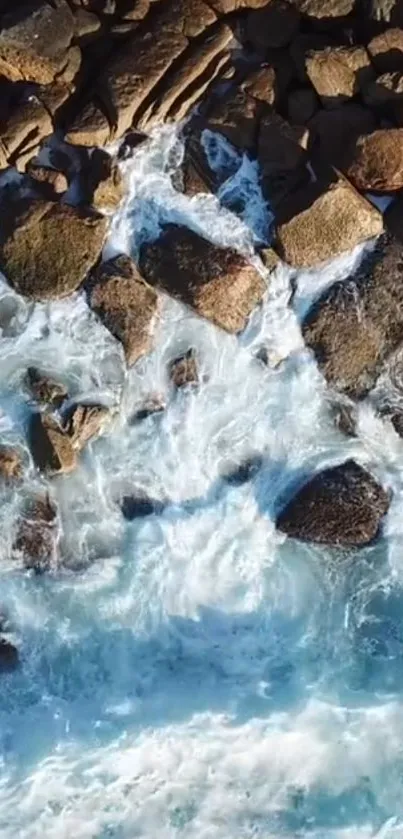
{"points": [[302, 104], [336, 131], [45, 390], [134, 9], [357, 323], [385, 90], [152, 405], [274, 25], [83, 422], [33, 45], [184, 370], [29, 123], [105, 181], [322, 10], [29, 258], [196, 175], [341, 506], [9, 659], [307, 233], [301, 46], [89, 128], [281, 146], [126, 305], [49, 180], [51, 447], [224, 7], [86, 25], [262, 85], [218, 283], [236, 116], [338, 73], [386, 51], [37, 534], [377, 162], [10, 464], [71, 68]]}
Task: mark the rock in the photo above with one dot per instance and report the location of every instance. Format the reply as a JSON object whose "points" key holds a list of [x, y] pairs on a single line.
{"points": [[262, 84], [341, 506], [325, 10], [48, 180], [184, 370], [89, 128], [236, 116], [385, 90], [151, 406], [336, 131], [106, 181], [10, 464], [302, 104], [24, 128], [9, 659], [29, 258], [130, 142], [357, 323], [219, 283], [345, 418], [196, 175], [45, 390], [389, 11], [386, 51], [281, 147], [51, 447], [377, 161], [274, 25], [140, 505], [238, 474], [86, 25], [125, 304], [307, 234], [82, 422], [37, 534], [338, 73], [33, 45]]}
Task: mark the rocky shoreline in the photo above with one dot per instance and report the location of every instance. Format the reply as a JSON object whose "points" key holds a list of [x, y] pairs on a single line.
{"points": [[312, 90]]}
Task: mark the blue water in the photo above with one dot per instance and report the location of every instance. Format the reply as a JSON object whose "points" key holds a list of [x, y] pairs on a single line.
{"points": [[195, 675]]}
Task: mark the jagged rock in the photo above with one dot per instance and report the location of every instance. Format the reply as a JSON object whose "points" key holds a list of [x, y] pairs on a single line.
{"points": [[218, 283], [322, 10], [377, 163], [83, 421], [236, 115], [105, 181], [386, 51], [341, 506], [307, 233], [33, 46], [336, 131], [274, 25], [37, 534], [385, 90], [151, 406], [184, 370], [51, 447], [89, 128], [140, 505], [130, 142], [302, 104], [29, 258], [45, 390], [126, 305], [10, 464], [9, 659], [357, 323], [338, 73], [23, 129], [49, 180], [262, 84]]}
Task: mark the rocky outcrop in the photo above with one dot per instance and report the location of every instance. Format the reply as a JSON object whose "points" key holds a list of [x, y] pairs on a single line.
{"points": [[307, 232], [184, 370], [84, 421], [29, 258], [51, 447], [37, 533], [357, 323], [45, 390], [341, 506], [34, 45], [219, 283], [10, 464], [338, 73], [377, 163], [125, 304]]}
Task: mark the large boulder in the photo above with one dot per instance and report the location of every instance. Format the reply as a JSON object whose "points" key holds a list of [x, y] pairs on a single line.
{"points": [[125, 304], [274, 25], [34, 41], [358, 322], [341, 506], [335, 131], [338, 73], [322, 222], [51, 447], [37, 534], [47, 248], [219, 283], [377, 161]]}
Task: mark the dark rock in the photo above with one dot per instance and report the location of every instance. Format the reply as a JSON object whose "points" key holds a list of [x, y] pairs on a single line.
{"points": [[338, 73], [9, 658], [386, 51], [236, 115], [238, 474], [345, 418], [10, 464], [51, 447], [29, 258], [153, 405], [45, 390], [184, 370], [37, 534], [302, 104], [274, 25], [343, 505], [140, 505], [219, 283], [131, 141], [82, 422], [281, 147], [385, 90], [336, 131], [358, 322], [377, 162], [125, 304]]}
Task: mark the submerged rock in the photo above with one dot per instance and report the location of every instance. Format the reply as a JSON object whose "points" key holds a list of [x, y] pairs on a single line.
{"points": [[45, 390], [9, 659], [151, 406], [83, 422], [219, 283], [343, 505], [237, 474], [10, 464], [125, 304], [37, 534], [184, 370], [39, 252], [140, 505], [51, 447], [358, 322]]}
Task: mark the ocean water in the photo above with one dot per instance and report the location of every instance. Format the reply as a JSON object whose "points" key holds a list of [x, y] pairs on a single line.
{"points": [[195, 674]]}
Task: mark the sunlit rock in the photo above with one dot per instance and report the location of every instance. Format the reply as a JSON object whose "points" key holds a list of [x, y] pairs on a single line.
{"points": [[82, 422], [377, 162]]}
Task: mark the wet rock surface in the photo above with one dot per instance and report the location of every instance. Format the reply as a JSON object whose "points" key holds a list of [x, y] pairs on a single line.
{"points": [[10, 464], [45, 390], [36, 535], [184, 370], [83, 422], [51, 447], [341, 506], [9, 658]]}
